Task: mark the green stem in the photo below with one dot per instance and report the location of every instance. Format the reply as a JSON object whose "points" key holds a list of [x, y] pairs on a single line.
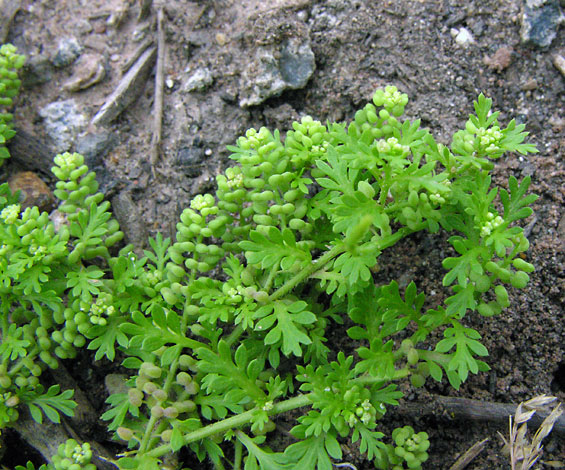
{"points": [[291, 284], [238, 455], [304, 274], [440, 358], [246, 417], [234, 335], [233, 422], [270, 279], [171, 374]]}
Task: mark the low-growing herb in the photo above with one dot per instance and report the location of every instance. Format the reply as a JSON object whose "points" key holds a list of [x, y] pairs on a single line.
{"points": [[226, 327]]}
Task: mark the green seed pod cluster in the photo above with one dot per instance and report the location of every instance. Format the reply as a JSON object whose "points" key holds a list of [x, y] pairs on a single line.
{"points": [[193, 248], [307, 142], [73, 456], [10, 84], [165, 402], [77, 187], [10, 63]]}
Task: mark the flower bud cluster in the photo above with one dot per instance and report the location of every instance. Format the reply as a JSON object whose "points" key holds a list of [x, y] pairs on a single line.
{"points": [[30, 240], [391, 100], [103, 307], [307, 142], [492, 223], [73, 456], [357, 409], [410, 448], [8, 409], [392, 147], [485, 141], [10, 213], [379, 123]]}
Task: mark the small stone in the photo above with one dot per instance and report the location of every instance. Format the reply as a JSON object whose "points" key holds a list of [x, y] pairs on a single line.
{"points": [[296, 64], [276, 71], [83, 27], [63, 122], [221, 39], [559, 62], [198, 81], [94, 147], [33, 191], [501, 59], [67, 52], [100, 28], [530, 85], [190, 159], [557, 123], [37, 71], [90, 71], [170, 83], [462, 36], [540, 22]]}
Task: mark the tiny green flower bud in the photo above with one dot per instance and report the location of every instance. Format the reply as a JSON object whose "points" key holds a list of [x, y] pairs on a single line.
{"points": [[135, 397], [124, 433], [159, 395], [157, 411], [171, 412], [150, 370]]}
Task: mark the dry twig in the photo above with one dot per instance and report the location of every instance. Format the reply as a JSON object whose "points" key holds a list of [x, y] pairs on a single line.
{"points": [[159, 84], [468, 456]]}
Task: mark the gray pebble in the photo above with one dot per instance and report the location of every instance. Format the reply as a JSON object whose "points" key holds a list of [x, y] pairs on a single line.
{"points": [[37, 71], [94, 147], [275, 71], [198, 81], [540, 22], [63, 122], [67, 52]]}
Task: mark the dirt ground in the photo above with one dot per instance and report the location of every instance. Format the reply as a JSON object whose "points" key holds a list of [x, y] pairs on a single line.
{"points": [[221, 78]]}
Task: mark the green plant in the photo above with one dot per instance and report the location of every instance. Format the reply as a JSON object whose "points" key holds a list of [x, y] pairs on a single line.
{"points": [[10, 63], [226, 327], [409, 447]]}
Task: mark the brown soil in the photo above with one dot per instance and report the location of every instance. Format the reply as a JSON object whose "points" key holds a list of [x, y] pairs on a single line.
{"points": [[358, 46]]}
